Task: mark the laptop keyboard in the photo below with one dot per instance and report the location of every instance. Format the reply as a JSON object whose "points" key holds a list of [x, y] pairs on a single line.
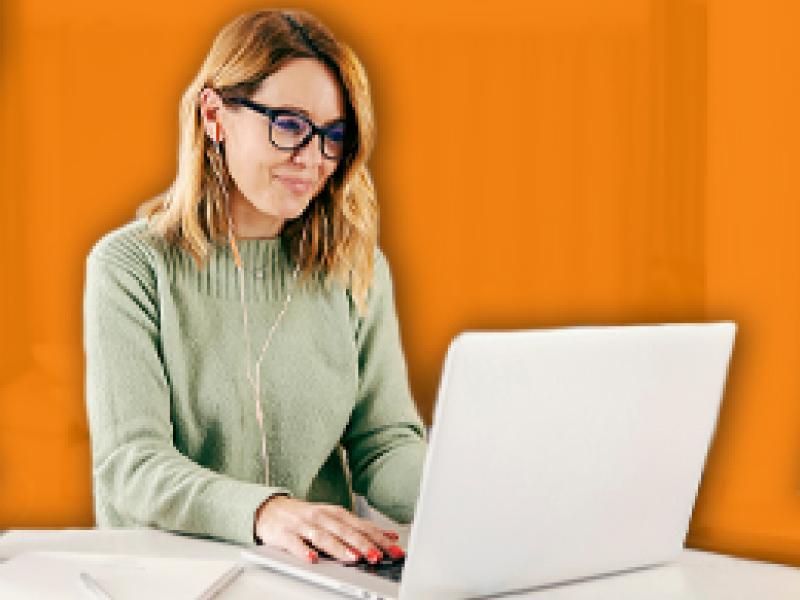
{"points": [[388, 569]]}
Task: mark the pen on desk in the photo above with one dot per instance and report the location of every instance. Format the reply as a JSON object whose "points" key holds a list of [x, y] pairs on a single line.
{"points": [[222, 582], [94, 587]]}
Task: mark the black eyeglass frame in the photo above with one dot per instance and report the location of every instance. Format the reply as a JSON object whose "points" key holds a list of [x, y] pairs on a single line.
{"points": [[273, 113]]}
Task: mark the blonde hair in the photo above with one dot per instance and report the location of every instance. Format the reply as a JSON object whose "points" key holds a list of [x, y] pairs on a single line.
{"points": [[342, 219]]}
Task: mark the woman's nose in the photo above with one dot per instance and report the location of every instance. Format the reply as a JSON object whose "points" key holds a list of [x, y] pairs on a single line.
{"points": [[310, 153]]}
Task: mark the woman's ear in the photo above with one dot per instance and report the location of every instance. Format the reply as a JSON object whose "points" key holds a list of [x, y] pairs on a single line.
{"points": [[211, 109]]}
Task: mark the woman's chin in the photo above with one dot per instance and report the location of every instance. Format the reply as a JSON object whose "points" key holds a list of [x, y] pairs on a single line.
{"points": [[288, 206], [295, 207]]}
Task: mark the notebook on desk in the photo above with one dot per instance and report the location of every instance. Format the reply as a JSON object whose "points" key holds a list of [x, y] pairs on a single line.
{"points": [[555, 455], [53, 574]]}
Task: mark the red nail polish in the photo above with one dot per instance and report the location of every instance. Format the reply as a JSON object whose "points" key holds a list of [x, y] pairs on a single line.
{"points": [[355, 554], [395, 552], [312, 556], [374, 555]]}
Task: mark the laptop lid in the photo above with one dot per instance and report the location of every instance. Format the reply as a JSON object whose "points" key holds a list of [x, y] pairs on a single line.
{"points": [[560, 454]]}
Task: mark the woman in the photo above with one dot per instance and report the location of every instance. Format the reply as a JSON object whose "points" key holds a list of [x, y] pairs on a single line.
{"points": [[241, 339]]}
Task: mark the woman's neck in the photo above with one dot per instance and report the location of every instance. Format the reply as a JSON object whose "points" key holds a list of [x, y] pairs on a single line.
{"points": [[251, 223]]}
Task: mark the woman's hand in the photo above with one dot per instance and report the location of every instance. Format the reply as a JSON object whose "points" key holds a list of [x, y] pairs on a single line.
{"points": [[295, 526]]}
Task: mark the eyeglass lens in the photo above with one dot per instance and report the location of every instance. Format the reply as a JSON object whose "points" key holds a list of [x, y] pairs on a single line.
{"points": [[291, 131]]}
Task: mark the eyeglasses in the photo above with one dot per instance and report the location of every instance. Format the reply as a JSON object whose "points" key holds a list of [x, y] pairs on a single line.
{"points": [[290, 130]]}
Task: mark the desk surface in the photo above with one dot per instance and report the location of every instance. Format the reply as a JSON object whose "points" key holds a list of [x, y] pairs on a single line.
{"points": [[694, 576]]}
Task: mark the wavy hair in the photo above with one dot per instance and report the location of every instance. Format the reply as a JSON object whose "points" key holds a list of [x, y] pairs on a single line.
{"points": [[342, 219]]}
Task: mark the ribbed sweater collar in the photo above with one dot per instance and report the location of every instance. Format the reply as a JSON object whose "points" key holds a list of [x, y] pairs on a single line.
{"points": [[267, 270]]}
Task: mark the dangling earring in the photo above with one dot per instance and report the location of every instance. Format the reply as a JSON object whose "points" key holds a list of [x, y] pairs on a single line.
{"points": [[216, 165], [303, 249], [220, 162], [332, 204], [217, 137], [324, 234]]}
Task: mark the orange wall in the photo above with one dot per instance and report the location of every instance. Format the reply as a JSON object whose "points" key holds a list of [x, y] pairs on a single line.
{"points": [[538, 163]]}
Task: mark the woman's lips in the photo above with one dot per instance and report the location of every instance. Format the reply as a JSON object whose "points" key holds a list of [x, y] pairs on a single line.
{"points": [[295, 184]]}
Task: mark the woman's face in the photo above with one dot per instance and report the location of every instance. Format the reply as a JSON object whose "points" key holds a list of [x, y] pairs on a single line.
{"points": [[273, 185]]}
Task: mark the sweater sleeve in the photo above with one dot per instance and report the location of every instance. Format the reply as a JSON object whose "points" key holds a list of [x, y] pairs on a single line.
{"points": [[137, 470], [385, 438]]}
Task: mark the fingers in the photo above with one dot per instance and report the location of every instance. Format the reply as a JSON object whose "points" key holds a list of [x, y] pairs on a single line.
{"points": [[294, 545], [355, 539], [296, 526], [327, 541], [362, 534], [379, 536]]}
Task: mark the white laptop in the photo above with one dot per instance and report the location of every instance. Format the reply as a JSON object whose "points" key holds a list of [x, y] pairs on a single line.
{"points": [[555, 455]]}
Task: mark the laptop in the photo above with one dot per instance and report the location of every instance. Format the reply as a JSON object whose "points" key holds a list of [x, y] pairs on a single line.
{"points": [[555, 455]]}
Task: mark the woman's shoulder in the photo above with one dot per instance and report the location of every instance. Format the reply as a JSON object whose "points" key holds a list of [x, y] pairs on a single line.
{"points": [[381, 273], [128, 257], [380, 287], [131, 244], [121, 271]]}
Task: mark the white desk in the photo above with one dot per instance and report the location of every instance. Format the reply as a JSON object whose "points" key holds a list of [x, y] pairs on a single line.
{"points": [[695, 576]]}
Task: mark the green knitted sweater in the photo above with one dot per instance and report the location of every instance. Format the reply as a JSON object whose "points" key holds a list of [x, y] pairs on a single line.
{"points": [[175, 442]]}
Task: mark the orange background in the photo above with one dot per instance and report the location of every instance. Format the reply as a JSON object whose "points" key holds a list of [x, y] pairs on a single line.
{"points": [[541, 163]]}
